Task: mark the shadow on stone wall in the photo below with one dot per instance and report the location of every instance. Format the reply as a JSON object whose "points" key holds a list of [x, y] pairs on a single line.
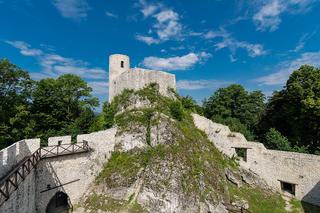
{"points": [[48, 182], [23, 198], [314, 197]]}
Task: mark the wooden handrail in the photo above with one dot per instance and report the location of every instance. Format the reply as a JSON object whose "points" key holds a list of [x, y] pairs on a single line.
{"points": [[10, 182]]}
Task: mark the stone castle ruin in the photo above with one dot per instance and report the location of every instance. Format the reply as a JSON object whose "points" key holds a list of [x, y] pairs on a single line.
{"points": [[121, 77], [50, 179]]}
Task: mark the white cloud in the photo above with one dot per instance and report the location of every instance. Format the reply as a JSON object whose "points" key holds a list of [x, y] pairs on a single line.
{"points": [[73, 9], [227, 41], [232, 58], [112, 15], [216, 34], [147, 39], [54, 65], [166, 26], [148, 9], [99, 87], [287, 67], [303, 40], [24, 48], [175, 63], [233, 44], [268, 15], [201, 84]]}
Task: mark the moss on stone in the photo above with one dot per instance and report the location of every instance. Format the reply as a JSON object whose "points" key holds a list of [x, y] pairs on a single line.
{"points": [[96, 202], [193, 161], [259, 200]]}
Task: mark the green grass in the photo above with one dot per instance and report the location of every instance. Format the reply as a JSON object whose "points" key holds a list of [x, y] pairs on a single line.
{"points": [[121, 169], [260, 201], [296, 206], [96, 202]]}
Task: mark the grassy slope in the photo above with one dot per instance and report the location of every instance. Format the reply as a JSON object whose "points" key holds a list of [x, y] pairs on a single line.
{"points": [[201, 164]]}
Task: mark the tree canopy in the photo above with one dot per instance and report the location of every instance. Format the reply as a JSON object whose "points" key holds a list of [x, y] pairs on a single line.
{"points": [[295, 110], [236, 107], [289, 120], [42, 109]]}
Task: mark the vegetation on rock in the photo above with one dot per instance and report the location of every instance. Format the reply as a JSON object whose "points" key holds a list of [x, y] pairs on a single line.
{"points": [[192, 169]]}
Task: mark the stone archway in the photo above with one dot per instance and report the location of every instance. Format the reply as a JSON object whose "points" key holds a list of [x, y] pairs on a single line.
{"points": [[58, 203]]}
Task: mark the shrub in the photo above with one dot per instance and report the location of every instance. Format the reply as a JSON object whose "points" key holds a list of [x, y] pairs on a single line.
{"points": [[275, 140], [176, 110]]}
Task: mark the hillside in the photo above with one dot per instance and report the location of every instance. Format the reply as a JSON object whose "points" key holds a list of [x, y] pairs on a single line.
{"points": [[163, 163]]}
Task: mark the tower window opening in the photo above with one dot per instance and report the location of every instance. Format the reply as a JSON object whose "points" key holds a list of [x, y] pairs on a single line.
{"points": [[122, 64], [288, 187]]}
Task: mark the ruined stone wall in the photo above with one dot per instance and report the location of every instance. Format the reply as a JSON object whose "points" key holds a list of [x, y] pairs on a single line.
{"points": [[271, 165], [80, 168], [138, 78], [23, 199]]}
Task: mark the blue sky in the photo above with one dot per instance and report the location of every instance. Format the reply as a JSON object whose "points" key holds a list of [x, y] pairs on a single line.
{"points": [[208, 44]]}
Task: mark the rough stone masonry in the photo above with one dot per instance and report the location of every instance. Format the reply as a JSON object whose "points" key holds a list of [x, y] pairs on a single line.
{"points": [[121, 77]]}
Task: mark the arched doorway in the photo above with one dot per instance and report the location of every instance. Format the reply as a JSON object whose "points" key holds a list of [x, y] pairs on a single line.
{"points": [[58, 203]]}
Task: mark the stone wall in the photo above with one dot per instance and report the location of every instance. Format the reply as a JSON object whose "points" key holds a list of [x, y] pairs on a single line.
{"points": [[53, 141], [23, 199], [73, 172], [138, 78], [271, 165]]}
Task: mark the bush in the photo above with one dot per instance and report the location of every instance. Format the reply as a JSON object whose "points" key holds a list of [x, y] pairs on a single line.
{"points": [[189, 104], [176, 110], [275, 140], [109, 110]]}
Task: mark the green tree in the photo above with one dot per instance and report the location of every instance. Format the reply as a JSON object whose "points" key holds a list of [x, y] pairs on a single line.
{"points": [[189, 104], [234, 102], [295, 110], [275, 140], [109, 110], [63, 106], [15, 91]]}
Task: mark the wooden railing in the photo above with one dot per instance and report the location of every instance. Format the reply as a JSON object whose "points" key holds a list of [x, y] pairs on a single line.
{"points": [[64, 149], [10, 182]]}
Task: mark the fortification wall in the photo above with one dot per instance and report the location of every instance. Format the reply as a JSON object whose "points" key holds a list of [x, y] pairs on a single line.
{"points": [[273, 166], [12, 155], [73, 172], [138, 78], [23, 199]]}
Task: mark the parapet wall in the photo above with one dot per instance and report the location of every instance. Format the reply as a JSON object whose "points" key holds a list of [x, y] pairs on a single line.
{"points": [[138, 78], [12, 155], [273, 166], [73, 174], [23, 199]]}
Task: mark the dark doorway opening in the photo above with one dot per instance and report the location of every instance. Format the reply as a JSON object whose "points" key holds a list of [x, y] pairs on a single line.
{"points": [[122, 64], [288, 187], [58, 203], [242, 153]]}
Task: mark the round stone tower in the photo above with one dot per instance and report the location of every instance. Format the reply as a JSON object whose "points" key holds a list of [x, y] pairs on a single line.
{"points": [[118, 64]]}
